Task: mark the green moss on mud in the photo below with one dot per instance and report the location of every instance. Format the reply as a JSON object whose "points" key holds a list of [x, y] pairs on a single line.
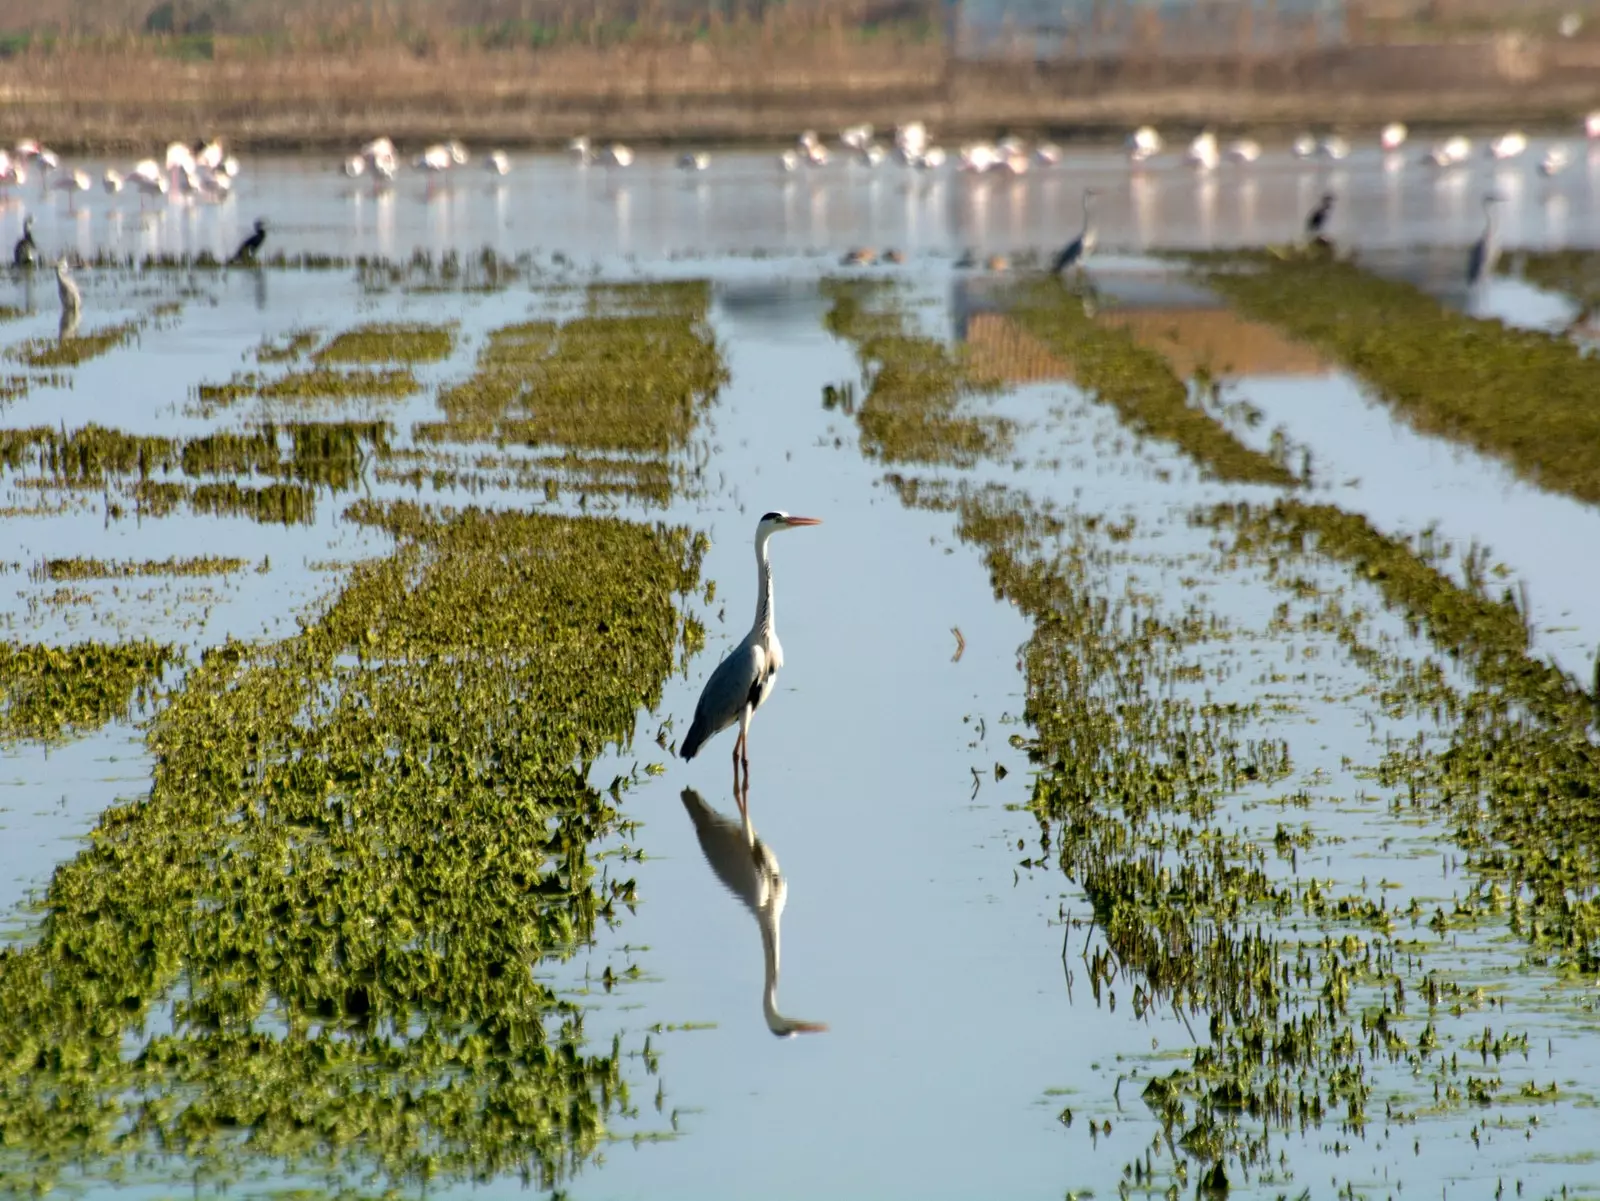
{"points": [[1522, 396], [107, 569], [918, 400], [390, 342], [361, 846], [52, 692]]}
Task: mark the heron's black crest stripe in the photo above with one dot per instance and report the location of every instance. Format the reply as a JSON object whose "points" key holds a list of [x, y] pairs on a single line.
{"points": [[772, 516]]}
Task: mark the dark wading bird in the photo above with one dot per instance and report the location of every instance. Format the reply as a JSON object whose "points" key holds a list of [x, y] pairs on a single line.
{"points": [[1481, 260], [1081, 247], [251, 246], [748, 869], [745, 678], [1317, 221], [25, 253]]}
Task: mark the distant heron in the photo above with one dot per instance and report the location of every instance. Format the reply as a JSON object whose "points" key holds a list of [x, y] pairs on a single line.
{"points": [[251, 246], [1317, 221], [25, 253], [748, 869], [67, 289], [1487, 248], [744, 680], [1075, 251]]}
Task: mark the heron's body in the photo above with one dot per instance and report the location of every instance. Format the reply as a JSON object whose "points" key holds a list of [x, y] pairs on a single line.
{"points": [[251, 246], [744, 680], [67, 289], [1486, 250], [748, 869], [25, 253], [1317, 221], [1081, 247]]}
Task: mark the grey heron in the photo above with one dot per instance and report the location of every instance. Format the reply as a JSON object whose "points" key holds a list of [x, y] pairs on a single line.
{"points": [[25, 253], [67, 289], [1480, 262], [1317, 220], [1074, 252], [251, 246], [744, 680], [749, 870]]}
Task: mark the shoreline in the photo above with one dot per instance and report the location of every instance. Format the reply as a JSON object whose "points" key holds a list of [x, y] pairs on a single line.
{"points": [[112, 104]]}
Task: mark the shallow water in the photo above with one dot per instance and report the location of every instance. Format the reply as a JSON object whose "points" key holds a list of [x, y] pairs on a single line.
{"points": [[958, 1029]]}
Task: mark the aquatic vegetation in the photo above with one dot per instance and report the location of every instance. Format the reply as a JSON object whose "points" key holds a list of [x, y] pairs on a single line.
{"points": [[1522, 396], [1520, 778], [1138, 382], [69, 352], [316, 944], [52, 692], [292, 347], [105, 569], [1573, 272], [918, 394], [628, 382], [644, 480], [390, 342]]}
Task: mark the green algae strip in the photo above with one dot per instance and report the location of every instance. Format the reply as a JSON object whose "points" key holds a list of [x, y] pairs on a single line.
{"points": [[1520, 781], [106, 569], [1138, 382], [1522, 396], [80, 348], [312, 387], [918, 402], [316, 945], [289, 348], [48, 693], [390, 342], [1313, 1008], [619, 382]]}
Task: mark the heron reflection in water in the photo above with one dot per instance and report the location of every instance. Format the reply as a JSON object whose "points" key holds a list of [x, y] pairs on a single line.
{"points": [[748, 869]]}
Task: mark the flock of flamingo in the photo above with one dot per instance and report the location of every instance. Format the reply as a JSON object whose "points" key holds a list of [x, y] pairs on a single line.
{"points": [[204, 171]]}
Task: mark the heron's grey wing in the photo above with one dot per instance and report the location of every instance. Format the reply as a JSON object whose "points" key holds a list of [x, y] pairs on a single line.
{"points": [[1068, 256], [1475, 262], [725, 695], [726, 848]]}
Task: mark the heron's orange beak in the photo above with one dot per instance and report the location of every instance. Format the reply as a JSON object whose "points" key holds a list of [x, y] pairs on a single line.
{"points": [[809, 1028], [802, 521]]}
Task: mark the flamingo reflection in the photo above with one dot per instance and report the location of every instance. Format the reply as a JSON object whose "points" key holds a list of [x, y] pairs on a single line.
{"points": [[748, 869]]}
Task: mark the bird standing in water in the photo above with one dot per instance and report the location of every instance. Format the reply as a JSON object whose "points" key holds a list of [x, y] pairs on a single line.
{"points": [[744, 680], [25, 253], [1075, 251], [67, 289], [251, 246], [1486, 250], [1317, 222]]}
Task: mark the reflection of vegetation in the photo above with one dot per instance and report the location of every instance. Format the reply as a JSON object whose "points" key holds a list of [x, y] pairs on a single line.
{"points": [[630, 381], [1521, 778], [48, 692], [1574, 272], [1139, 384], [389, 342], [312, 387], [1524, 396], [359, 846], [106, 569], [916, 406]]}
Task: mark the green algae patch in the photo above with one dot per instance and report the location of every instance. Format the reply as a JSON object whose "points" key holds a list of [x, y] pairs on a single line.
{"points": [[1518, 777], [80, 348], [1138, 382], [291, 347], [390, 342], [918, 404], [320, 943], [313, 387], [106, 569], [631, 382], [49, 693], [1522, 396]]}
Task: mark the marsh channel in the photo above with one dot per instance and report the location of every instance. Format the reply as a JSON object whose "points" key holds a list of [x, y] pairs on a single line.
{"points": [[1184, 772]]}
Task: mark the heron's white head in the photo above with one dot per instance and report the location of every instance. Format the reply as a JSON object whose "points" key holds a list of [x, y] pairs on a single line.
{"points": [[776, 520]]}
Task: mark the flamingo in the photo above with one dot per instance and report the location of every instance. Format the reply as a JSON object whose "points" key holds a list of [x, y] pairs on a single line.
{"points": [[911, 141], [1047, 154], [1203, 151], [1244, 150], [1555, 161], [497, 163], [1591, 125], [618, 155], [697, 160], [1143, 143], [581, 149], [112, 181], [211, 154], [1304, 146], [1334, 147], [979, 157], [1393, 136], [355, 166], [789, 160], [855, 137], [72, 182], [931, 159], [148, 177], [1508, 145]]}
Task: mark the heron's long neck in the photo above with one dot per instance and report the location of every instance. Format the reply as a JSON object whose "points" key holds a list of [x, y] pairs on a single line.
{"points": [[765, 621]]}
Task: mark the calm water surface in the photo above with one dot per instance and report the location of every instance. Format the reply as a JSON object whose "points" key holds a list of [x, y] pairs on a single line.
{"points": [[958, 1029]]}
